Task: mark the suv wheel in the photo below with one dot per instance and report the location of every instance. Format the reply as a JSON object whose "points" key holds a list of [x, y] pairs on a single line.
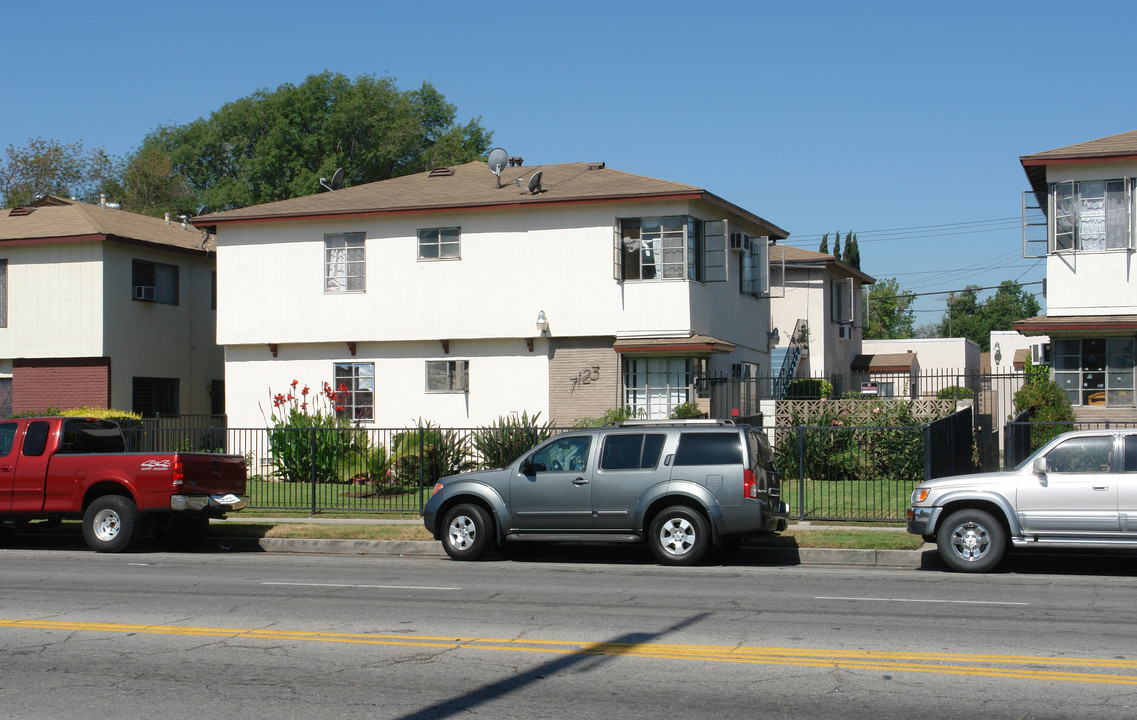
{"points": [[679, 536], [971, 540], [467, 529]]}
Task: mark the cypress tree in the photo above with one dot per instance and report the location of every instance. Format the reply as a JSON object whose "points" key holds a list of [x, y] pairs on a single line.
{"points": [[824, 244], [837, 246]]}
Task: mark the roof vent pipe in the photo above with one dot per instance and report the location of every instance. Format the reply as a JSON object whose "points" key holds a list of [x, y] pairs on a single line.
{"points": [[167, 218]]}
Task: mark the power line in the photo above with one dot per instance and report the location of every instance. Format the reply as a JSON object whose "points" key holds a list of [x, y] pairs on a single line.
{"points": [[951, 292]]}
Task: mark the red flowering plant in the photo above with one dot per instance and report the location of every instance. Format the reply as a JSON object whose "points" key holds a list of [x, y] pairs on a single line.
{"points": [[308, 439]]}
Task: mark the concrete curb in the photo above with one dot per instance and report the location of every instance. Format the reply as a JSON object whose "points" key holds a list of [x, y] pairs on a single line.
{"points": [[924, 557]]}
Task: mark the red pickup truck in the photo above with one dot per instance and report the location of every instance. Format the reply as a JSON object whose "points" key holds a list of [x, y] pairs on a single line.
{"points": [[71, 467]]}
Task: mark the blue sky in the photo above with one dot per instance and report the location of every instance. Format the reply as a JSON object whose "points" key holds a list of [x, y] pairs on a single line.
{"points": [[901, 121]]}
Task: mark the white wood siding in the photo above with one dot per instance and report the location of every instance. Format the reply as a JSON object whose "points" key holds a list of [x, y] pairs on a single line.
{"points": [[54, 301]]}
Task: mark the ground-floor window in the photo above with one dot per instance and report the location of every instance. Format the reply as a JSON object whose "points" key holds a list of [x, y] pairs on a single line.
{"points": [[6, 397], [1095, 371], [655, 385], [151, 396], [355, 390]]}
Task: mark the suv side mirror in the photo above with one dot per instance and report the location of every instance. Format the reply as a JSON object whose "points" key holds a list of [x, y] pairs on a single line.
{"points": [[1038, 467], [526, 467]]}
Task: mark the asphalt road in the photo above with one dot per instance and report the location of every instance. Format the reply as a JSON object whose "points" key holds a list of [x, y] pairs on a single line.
{"points": [[584, 632]]}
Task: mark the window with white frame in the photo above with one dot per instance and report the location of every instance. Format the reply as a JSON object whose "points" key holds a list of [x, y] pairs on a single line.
{"points": [[669, 248], [754, 264], [656, 385], [841, 300], [447, 376], [355, 390], [440, 244], [345, 263], [1092, 215], [154, 282]]}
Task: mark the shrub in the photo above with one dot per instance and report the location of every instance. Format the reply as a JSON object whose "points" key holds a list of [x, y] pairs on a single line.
{"points": [[426, 454], [804, 388], [853, 441], [688, 409], [307, 439], [614, 415], [508, 438], [954, 392], [1046, 402]]}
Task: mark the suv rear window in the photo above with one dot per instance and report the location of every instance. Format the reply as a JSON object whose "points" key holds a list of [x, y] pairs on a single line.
{"points": [[631, 452], [713, 448]]}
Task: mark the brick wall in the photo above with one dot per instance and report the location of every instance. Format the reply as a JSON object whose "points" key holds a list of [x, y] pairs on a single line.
{"points": [[584, 378], [60, 383]]}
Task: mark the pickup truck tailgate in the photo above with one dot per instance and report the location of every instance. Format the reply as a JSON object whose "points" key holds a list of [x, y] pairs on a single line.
{"points": [[205, 474]]}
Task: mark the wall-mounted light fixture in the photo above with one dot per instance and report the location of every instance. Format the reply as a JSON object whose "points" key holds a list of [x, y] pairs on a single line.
{"points": [[998, 355], [542, 322], [773, 335]]}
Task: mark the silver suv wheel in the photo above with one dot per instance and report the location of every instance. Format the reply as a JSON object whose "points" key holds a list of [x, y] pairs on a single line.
{"points": [[971, 540], [679, 536]]}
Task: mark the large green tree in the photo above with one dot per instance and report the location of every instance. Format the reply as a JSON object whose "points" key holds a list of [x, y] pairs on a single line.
{"points": [[968, 316], [50, 167], [277, 144], [888, 311]]}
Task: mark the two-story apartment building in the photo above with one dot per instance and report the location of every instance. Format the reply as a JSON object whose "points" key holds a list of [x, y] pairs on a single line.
{"points": [[1086, 195], [105, 308], [817, 305], [458, 297]]}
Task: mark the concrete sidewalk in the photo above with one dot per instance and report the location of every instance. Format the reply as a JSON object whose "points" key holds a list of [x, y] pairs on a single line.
{"points": [[923, 557]]}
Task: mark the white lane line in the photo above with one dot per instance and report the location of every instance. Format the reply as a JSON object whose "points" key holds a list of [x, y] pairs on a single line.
{"points": [[919, 600], [380, 587]]}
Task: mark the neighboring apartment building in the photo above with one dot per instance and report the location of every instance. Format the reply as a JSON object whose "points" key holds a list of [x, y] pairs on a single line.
{"points": [[105, 308], [824, 295], [457, 297], [1086, 198]]}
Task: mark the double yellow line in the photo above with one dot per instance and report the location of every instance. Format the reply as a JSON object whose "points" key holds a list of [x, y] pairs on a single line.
{"points": [[1023, 667]]}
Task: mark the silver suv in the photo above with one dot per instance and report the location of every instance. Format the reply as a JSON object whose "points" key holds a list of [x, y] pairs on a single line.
{"points": [[1078, 490], [681, 486]]}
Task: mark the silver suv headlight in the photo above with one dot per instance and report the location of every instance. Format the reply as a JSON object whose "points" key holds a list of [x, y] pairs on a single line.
{"points": [[919, 495]]}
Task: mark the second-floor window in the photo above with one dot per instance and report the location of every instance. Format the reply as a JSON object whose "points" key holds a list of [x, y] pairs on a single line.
{"points": [[154, 282], [345, 263], [1092, 215], [753, 261], [841, 300], [675, 247], [440, 244]]}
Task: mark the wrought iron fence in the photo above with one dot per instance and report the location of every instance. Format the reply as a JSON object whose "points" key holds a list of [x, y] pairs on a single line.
{"points": [[850, 473]]}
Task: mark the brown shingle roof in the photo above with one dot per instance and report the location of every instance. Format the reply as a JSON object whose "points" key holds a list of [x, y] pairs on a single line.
{"points": [[55, 217], [473, 186], [1113, 147], [800, 256], [1043, 324]]}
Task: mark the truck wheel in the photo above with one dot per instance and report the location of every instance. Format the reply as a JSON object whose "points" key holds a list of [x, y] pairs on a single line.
{"points": [[110, 524], [466, 532], [971, 540], [679, 536]]}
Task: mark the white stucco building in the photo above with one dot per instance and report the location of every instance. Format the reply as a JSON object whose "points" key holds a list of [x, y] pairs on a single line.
{"points": [[458, 297], [1084, 225]]}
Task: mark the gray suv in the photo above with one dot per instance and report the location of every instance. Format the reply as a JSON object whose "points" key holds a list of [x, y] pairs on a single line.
{"points": [[1078, 490], [683, 487]]}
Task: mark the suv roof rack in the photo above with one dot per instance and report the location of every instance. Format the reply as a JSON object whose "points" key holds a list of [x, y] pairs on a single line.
{"points": [[666, 423]]}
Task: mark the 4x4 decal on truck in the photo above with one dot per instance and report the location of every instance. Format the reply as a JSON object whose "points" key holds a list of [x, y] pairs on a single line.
{"points": [[156, 465]]}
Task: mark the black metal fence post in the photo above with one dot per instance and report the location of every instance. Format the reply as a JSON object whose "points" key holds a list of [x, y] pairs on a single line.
{"points": [[312, 466]]}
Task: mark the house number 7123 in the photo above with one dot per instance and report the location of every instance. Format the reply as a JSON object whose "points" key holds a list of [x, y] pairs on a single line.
{"points": [[586, 376]]}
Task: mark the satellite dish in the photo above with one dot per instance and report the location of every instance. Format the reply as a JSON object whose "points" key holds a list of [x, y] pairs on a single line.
{"points": [[535, 183], [499, 158], [204, 210], [337, 180]]}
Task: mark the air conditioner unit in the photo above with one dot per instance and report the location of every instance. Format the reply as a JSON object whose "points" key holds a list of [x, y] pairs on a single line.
{"points": [[740, 242], [143, 292], [844, 332], [1040, 354]]}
